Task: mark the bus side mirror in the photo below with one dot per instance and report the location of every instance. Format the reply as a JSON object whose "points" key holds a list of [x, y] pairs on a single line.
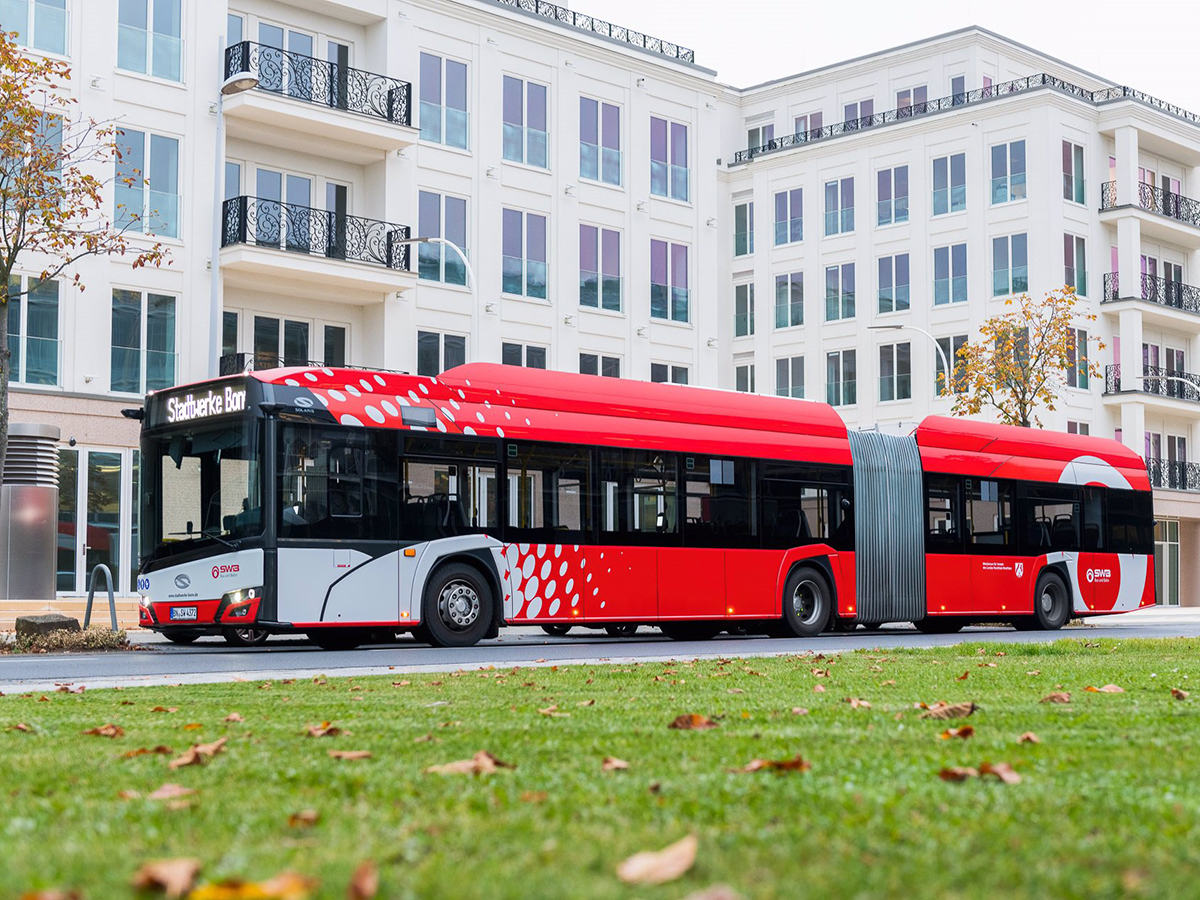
{"points": [[846, 503]]}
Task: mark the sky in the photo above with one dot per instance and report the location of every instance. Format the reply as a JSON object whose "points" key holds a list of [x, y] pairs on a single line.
{"points": [[1152, 45]]}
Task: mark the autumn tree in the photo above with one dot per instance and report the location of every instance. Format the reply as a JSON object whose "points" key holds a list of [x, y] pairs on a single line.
{"points": [[1023, 358], [55, 167]]}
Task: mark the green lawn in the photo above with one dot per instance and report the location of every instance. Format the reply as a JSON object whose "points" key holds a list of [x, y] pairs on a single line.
{"points": [[1108, 805]]}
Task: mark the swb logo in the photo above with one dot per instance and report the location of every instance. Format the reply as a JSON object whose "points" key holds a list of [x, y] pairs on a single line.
{"points": [[1094, 575]]}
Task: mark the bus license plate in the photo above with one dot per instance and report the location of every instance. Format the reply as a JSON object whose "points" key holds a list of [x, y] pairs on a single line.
{"points": [[183, 612]]}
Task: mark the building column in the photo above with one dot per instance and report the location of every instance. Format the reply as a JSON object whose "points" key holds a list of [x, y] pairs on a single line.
{"points": [[1133, 427], [1130, 331], [1129, 259], [1126, 139]]}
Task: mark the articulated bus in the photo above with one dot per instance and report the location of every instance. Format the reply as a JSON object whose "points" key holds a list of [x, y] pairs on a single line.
{"points": [[352, 504]]}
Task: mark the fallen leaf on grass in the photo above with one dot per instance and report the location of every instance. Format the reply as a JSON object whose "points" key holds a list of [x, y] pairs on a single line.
{"points": [[735, 691], [692, 722], [890, 681], [285, 886], [818, 688], [958, 773], [1175, 692], [586, 703], [658, 867], [1029, 738], [964, 732], [795, 764], [108, 731], [326, 729], [306, 818], [143, 751], [171, 877], [350, 754], [170, 791], [987, 665], [553, 712], [234, 717], [197, 754], [21, 726], [799, 711], [963, 676], [534, 797], [1034, 672], [716, 892], [364, 883], [52, 894], [821, 673], [482, 763], [855, 703], [165, 709], [1107, 689], [1057, 697], [941, 710], [192, 726], [612, 764], [1003, 771]]}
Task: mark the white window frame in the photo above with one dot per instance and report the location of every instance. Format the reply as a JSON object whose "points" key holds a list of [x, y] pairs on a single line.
{"points": [[791, 365]]}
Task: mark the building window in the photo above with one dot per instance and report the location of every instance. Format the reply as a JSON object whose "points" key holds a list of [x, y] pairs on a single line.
{"points": [[789, 216], [150, 38], [335, 345], [743, 310], [841, 385], [1008, 172], [950, 347], [599, 267], [743, 378], [892, 206], [441, 216], [143, 342], [147, 183], [39, 24], [444, 117], [893, 283], [523, 355], [910, 97], [760, 135], [595, 364], [526, 132], [524, 268], [858, 115], [839, 206], [1077, 359], [438, 352], [1078, 428], [789, 300], [600, 141], [895, 372], [1074, 188], [789, 377], [281, 342], [33, 330], [950, 274], [661, 373], [668, 281], [1010, 265], [958, 89], [1075, 263], [743, 229], [839, 292], [811, 122], [949, 184], [668, 159], [229, 332]]}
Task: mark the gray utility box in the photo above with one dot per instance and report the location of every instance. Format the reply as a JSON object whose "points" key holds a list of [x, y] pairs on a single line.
{"points": [[29, 513]]}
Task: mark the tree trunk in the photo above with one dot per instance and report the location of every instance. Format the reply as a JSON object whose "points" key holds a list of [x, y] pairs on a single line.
{"points": [[5, 366]]}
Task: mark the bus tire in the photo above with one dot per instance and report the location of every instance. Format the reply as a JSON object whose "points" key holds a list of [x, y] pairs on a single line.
{"points": [[338, 638], [458, 606], [940, 624], [807, 606], [1051, 602], [183, 638], [628, 629], [691, 631], [245, 637], [556, 630]]}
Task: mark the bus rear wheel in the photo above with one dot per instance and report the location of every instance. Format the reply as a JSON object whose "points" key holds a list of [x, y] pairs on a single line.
{"points": [[556, 630], [458, 606], [690, 631], [806, 603], [1051, 602], [629, 629]]}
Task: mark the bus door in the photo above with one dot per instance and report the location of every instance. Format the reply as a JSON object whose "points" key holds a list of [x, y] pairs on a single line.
{"points": [[1051, 519], [1099, 571], [637, 514], [692, 578], [999, 578], [947, 566]]}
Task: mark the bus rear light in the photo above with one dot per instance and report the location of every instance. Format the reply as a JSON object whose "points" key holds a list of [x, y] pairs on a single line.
{"points": [[404, 615]]}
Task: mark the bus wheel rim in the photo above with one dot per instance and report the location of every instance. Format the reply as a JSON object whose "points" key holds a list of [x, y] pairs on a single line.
{"points": [[458, 605], [806, 602], [250, 635], [1048, 598]]}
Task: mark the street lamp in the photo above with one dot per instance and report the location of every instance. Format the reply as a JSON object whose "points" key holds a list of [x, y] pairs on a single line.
{"points": [[236, 83], [937, 346], [471, 283]]}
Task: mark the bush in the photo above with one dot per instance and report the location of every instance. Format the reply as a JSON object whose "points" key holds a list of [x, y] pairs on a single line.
{"points": [[69, 642]]}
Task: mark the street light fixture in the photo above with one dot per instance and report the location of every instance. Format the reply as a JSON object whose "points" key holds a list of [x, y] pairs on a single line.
{"points": [[937, 346], [236, 83]]}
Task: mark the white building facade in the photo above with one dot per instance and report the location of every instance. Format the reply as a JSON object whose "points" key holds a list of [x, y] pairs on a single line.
{"points": [[622, 212]]}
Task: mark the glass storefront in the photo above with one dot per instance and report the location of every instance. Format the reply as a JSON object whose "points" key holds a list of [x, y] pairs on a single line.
{"points": [[1166, 561], [97, 518]]}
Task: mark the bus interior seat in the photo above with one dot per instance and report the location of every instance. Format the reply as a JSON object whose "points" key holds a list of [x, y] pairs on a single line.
{"points": [[1063, 533], [1091, 536]]}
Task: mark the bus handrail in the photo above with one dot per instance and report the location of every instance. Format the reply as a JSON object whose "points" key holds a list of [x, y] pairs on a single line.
{"points": [[112, 602]]}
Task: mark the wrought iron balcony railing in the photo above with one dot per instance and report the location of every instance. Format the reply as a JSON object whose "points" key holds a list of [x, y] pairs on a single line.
{"points": [[1156, 200], [237, 363], [584, 22], [329, 84], [964, 98], [1174, 475], [316, 232], [1175, 294], [1154, 380]]}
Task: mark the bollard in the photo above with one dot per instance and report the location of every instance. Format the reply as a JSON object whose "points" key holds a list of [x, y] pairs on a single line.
{"points": [[112, 603]]}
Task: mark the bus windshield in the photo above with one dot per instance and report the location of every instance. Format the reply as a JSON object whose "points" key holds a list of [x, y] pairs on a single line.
{"points": [[201, 484]]}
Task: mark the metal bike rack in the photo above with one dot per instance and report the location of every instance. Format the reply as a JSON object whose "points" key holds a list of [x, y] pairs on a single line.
{"points": [[112, 602]]}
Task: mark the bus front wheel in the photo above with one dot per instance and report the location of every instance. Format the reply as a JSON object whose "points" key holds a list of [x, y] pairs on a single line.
{"points": [[629, 629], [458, 606], [1051, 603], [556, 630], [806, 603], [245, 637]]}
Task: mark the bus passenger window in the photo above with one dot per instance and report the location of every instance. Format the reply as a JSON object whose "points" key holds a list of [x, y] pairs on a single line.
{"points": [[719, 502], [989, 514], [549, 489], [1130, 522], [942, 507], [443, 498], [637, 492], [1050, 519], [794, 513], [1093, 520]]}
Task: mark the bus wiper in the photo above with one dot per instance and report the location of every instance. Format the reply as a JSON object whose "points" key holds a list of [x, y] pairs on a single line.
{"points": [[193, 534]]}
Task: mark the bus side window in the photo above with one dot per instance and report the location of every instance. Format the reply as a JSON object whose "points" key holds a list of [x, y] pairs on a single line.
{"points": [[719, 502], [1093, 520], [1050, 519], [943, 507], [444, 498], [638, 492], [989, 514], [1130, 522], [549, 490]]}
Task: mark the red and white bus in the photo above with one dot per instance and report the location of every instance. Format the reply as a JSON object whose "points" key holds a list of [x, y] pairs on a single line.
{"points": [[346, 504]]}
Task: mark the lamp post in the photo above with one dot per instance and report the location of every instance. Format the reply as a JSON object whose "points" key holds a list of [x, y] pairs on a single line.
{"points": [[471, 283], [937, 346], [234, 84]]}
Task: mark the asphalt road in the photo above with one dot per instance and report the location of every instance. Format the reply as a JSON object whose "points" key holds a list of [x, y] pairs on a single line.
{"points": [[211, 660]]}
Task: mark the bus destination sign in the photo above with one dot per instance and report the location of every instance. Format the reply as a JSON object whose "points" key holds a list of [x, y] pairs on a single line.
{"points": [[218, 401]]}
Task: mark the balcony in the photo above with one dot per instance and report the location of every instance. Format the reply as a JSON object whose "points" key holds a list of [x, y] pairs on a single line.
{"points": [[316, 106], [1174, 475], [1164, 390], [1164, 215], [302, 251], [1163, 302], [618, 33]]}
